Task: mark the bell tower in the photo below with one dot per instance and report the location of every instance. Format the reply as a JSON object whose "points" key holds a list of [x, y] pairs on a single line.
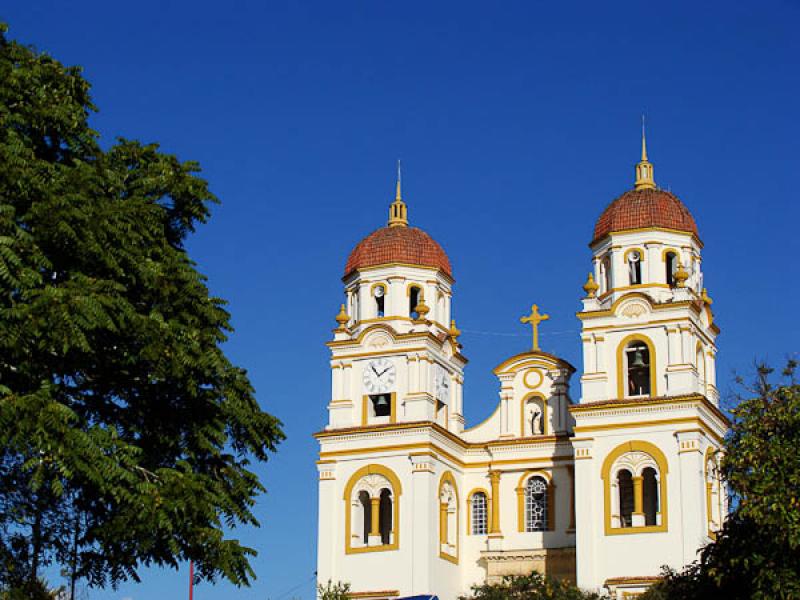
{"points": [[395, 355], [648, 420]]}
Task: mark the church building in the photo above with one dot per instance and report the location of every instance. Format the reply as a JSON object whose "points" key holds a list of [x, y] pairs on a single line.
{"points": [[599, 477]]}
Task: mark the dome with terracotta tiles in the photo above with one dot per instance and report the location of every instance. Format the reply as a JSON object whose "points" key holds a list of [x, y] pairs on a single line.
{"points": [[645, 208], [403, 244]]}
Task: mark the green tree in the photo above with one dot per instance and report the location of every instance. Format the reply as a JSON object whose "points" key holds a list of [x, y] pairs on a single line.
{"points": [[125, 432], [529, 587], [757, 553], [333, 591]]}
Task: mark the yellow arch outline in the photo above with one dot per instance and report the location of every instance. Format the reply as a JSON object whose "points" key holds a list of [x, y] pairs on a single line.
{"points": [[397, 490], [447, 477], [655, 453]]}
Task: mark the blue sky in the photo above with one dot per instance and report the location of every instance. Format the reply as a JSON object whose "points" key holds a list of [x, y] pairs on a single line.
{"points": [[517, 123]]}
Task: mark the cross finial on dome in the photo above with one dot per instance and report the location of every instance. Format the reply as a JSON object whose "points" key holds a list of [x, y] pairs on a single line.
{"points": [[644, 169], [398, 212]]}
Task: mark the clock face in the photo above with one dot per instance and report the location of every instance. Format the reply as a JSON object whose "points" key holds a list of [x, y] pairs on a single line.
{"points": [[442, 384], [378, 376]]}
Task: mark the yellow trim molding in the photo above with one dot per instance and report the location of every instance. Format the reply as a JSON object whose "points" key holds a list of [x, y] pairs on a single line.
{"points": [[376, 595], [660, 460], [397, 490], [494, 522], [535, 373]]}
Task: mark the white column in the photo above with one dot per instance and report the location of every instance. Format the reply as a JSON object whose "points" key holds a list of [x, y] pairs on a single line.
{"points": [[673, 339], [336, 381], [711, 365], [600, 353], [588, 515], [397, 301], [653, 264], [505, 412], [413, 373], [686, 346], [596, 267], [690, 513], [424, 374], [330, 538], [589, 357], [420, 522], [347, 377]]}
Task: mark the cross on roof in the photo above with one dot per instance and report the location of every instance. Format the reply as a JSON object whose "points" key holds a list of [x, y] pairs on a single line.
{"points": [[534, 319]]}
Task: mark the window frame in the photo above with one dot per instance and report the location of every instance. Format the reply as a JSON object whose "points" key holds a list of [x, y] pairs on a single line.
{"points": [[550, 517], [471, 515]]}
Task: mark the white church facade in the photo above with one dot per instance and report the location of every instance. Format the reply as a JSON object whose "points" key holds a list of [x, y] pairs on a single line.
{"points": [[600, 477]]}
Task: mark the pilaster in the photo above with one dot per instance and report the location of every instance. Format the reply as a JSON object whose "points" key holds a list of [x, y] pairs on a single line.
{"points": [[588, 512], [423, 541], [328, 546], [692, 492]]}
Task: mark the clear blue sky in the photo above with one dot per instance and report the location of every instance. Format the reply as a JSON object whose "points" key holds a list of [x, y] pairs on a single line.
{"points": [[517, 123]]}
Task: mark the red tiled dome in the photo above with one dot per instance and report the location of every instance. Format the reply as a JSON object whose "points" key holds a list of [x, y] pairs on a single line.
{"points": [[408, 245], [636, 209]]}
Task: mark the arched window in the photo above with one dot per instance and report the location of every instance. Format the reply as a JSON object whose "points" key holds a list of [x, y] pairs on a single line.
{"points": [[634, 267], [385, 519], [372, 496], [671, 265], [650, 496], [536, 504], [626, 500], [605, 272], [635, 491], [637, 358], [379, 294], [479, 513], [414, 296]]}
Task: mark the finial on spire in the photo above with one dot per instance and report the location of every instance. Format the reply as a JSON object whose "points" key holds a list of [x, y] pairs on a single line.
{"points": [[398, 212], [644, 140], [398, 196], [644, 169]]}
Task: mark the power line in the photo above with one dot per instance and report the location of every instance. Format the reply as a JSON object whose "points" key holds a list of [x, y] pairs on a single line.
{"points": [[505, 334], [296, 587]]}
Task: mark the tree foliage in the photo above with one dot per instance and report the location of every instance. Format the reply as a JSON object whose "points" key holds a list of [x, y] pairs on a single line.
{"points": [[757, 553], [529, 587], [333, 590], [125, 432]]}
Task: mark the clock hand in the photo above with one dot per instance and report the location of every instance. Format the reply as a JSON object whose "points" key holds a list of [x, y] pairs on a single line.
{"points": [[374, 371]]}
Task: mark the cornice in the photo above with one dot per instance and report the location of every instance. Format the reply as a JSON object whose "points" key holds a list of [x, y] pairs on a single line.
{"points": [[617, 406], [533, 355]]}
